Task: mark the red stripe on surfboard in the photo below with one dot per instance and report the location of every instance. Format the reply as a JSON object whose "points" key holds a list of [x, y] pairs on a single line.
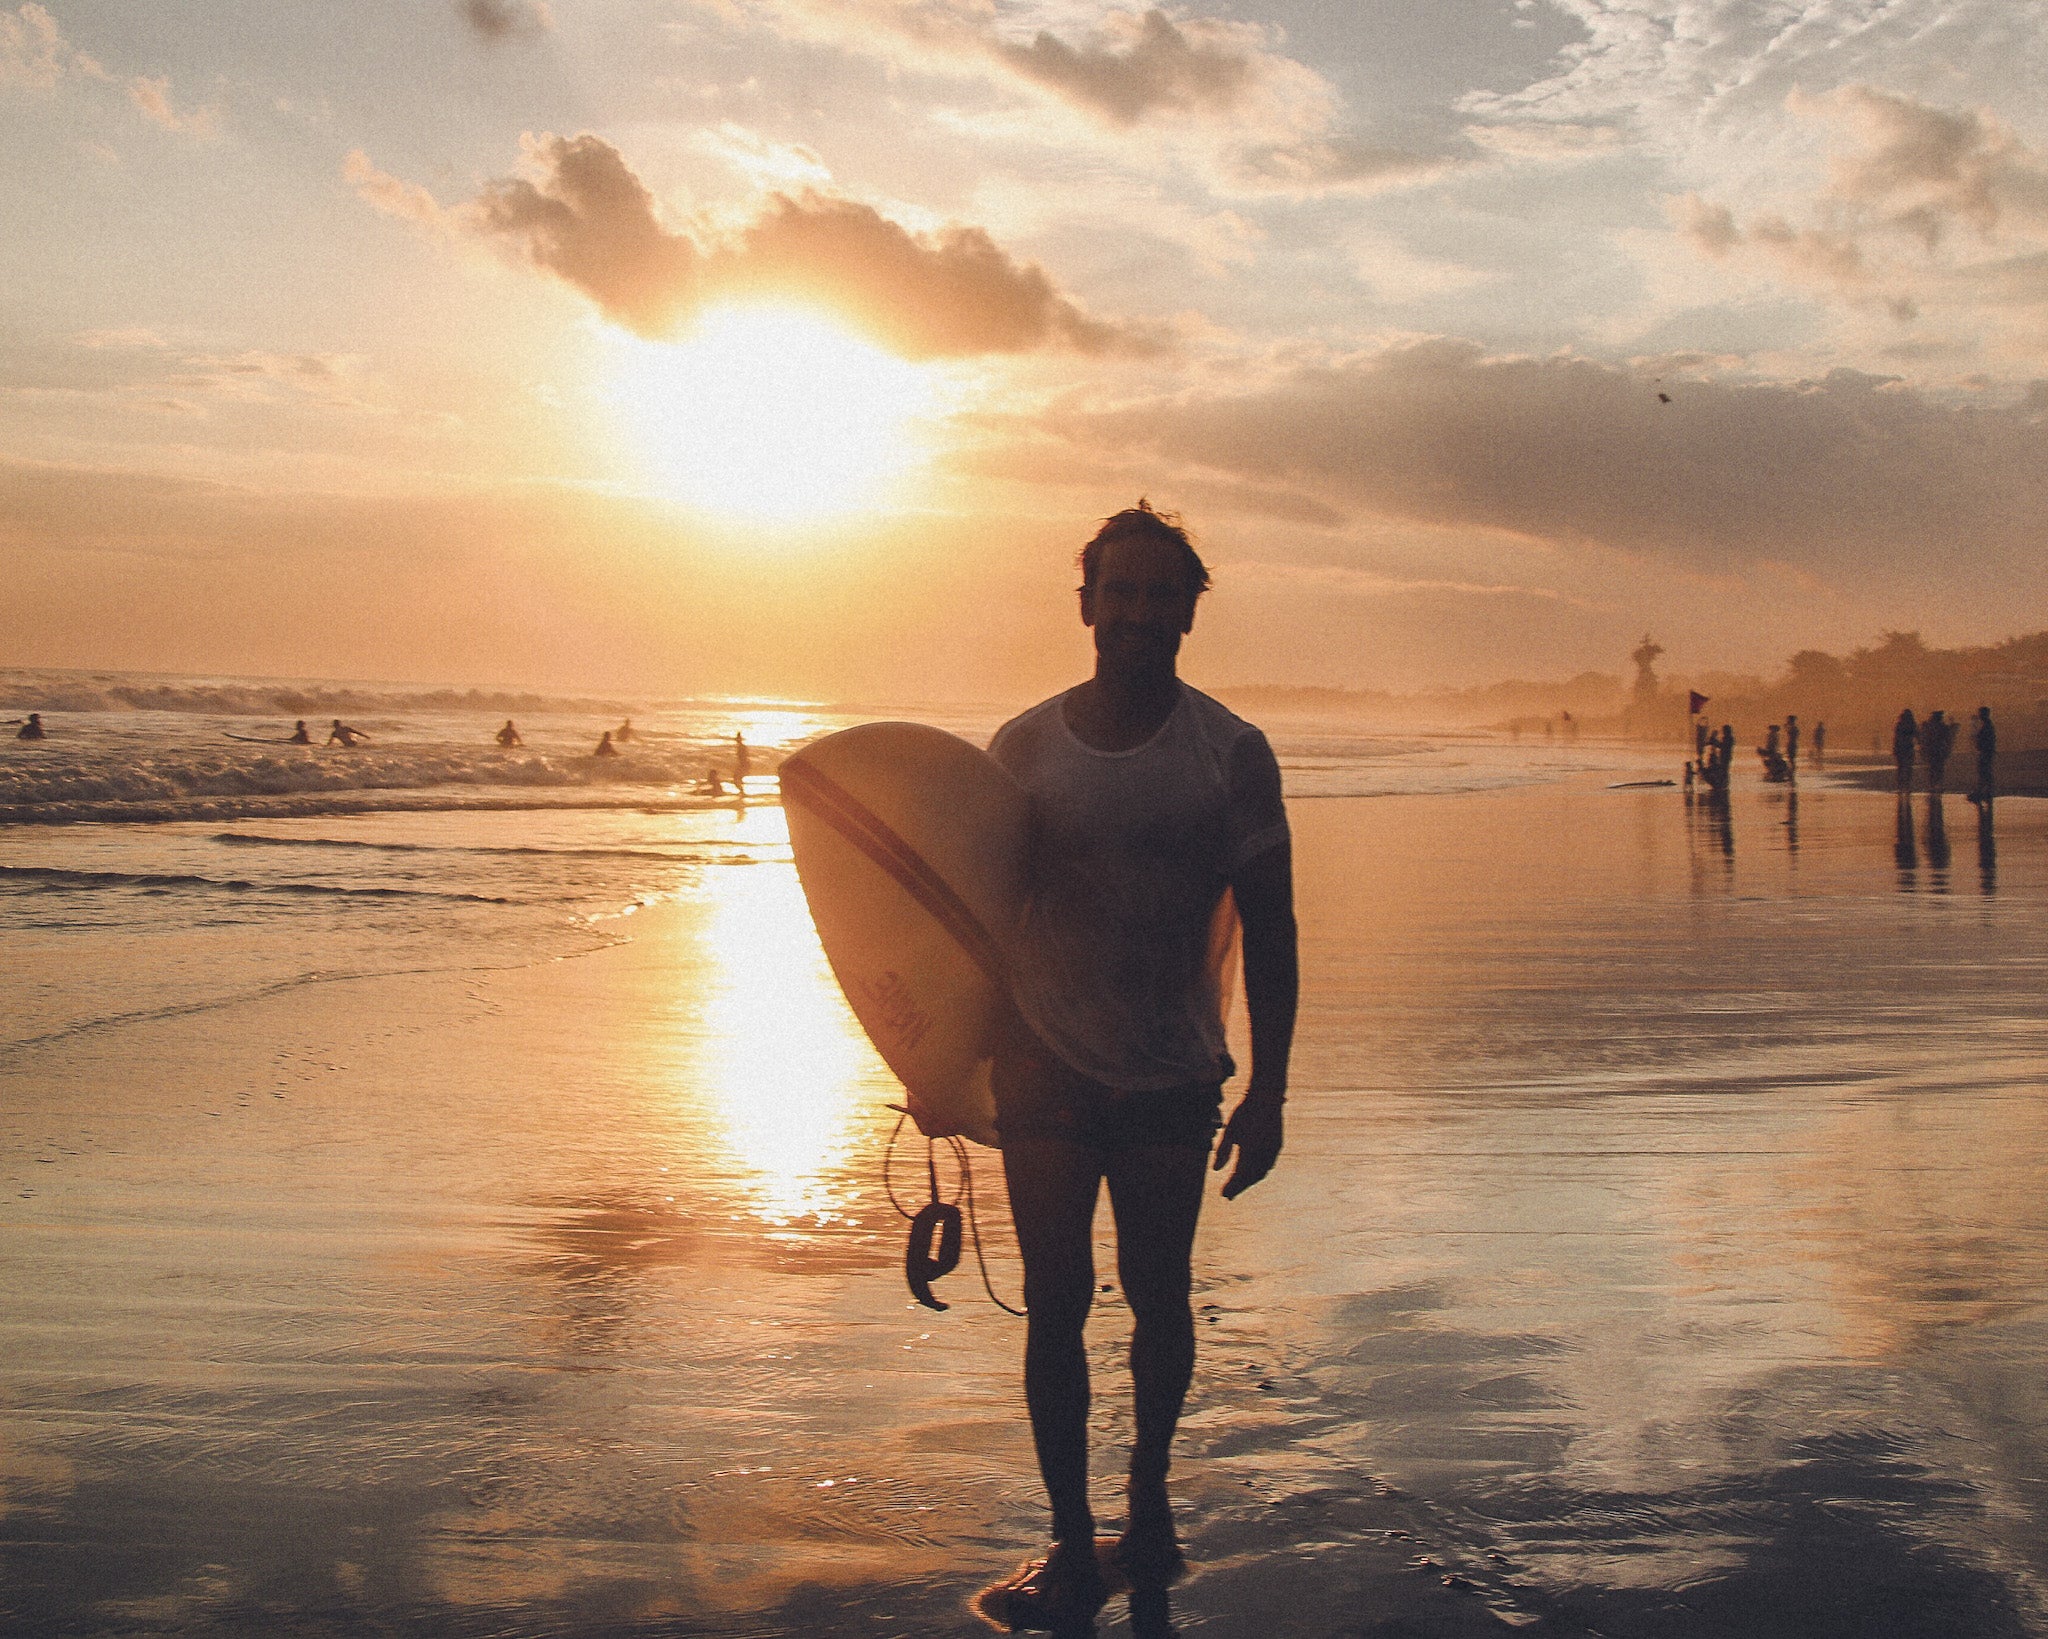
{"points": [[862, 827]]}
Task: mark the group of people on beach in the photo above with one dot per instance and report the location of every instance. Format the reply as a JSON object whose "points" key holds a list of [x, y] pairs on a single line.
{"points": [[1714, 752], [1912, 740], [1934, 739]]}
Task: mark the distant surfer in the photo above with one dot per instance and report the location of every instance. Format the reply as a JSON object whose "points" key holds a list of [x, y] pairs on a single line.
{"points": [[508, 736], [741, 762], [605, 748], [713, 786], [32, 729], [1148, 801], [624, 732], [342, 734], [301, 735]]}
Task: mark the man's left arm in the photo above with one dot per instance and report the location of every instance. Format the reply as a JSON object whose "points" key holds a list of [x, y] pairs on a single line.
{"points": [[1264, 889]]}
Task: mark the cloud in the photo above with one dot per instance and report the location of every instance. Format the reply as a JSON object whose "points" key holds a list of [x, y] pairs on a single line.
{"points": [[152, 98], [1922, 205], [1928, 172], [35, 56], [500, 20], [34, 53], [582, 215], [1849, 470], [407, 201], [1326, 164], [1143, 64], [1250, 118]]}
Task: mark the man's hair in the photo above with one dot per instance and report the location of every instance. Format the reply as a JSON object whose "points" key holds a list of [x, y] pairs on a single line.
{"points": [[1141, 522]]}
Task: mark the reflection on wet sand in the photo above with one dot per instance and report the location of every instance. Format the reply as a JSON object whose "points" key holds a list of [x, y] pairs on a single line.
{"points": [[774, 1059], [1660, 1250]]}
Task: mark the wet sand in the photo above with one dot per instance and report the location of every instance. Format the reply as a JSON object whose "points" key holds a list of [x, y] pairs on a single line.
{"points": [[1659, 1250]]}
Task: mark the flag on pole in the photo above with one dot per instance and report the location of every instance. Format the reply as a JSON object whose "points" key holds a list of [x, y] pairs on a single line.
{"points": [[1698, 705]]}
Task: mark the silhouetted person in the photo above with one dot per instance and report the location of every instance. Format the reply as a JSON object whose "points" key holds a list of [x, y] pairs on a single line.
{"points": [[1148, 800], [1792, 742], [1699, 738], [301, 735], [508, 736], [1571, 725], [605, 748], [1937, 740], [32, 729], [712, 785], [1820, 745], [1905, 746], [1984, 741], [343, 735], [624, 732], [1771, 739], [741, 762]]}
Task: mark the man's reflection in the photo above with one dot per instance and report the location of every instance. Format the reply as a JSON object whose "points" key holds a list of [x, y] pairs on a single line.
{"points": [[1904, 849], [1937, 842], [1987, 849]]}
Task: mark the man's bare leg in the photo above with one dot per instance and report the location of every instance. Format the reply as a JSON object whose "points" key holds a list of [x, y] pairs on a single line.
{"points": [[1053, 1185], [1155, 1191]]}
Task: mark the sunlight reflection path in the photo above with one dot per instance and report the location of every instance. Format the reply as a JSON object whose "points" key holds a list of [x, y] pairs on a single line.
{"points": [[781, 1057]]}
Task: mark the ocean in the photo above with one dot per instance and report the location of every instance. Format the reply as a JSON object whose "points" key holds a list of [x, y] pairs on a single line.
{"points": [[441, 1191]]}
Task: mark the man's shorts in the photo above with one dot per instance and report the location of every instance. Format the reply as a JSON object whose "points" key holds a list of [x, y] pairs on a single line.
{"points": [[1039, 1095]]}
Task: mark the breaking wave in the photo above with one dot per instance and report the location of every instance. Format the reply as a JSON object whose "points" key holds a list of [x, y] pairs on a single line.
{"points": [[161, 881], [237, 784]]}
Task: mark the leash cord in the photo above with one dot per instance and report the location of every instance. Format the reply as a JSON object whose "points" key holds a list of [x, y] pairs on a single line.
{"points": [[963, 1190]]}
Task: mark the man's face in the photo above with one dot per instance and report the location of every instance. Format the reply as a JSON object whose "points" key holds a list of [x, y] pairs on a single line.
{"points": [[1139, 606]]}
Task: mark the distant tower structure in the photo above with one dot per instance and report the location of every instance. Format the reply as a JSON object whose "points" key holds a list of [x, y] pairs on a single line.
{"points": [[1645, 656]]}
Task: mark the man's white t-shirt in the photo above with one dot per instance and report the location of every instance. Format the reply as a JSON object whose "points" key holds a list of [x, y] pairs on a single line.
{"points": [[1131, 852]]}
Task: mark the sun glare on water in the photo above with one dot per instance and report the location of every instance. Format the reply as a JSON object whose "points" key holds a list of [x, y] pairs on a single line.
{"points": [[771, 413]]}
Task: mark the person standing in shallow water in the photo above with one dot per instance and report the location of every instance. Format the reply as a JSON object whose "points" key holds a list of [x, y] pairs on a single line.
{"points": [[1905, 746], [1149, 803], [1937, 740], [1984, 741]]}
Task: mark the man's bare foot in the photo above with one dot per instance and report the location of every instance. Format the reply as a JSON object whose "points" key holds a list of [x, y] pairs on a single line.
{"points": [[1059, 1594]]}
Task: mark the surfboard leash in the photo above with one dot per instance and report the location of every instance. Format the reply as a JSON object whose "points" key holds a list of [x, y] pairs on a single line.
{"points": [[934, 1248]]}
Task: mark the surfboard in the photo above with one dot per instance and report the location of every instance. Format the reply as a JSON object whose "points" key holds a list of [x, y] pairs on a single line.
{"points": [[910, 845], [261, 739]]}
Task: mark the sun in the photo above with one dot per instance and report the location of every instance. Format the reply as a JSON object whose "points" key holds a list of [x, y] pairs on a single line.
{"points": [[771, 413]]}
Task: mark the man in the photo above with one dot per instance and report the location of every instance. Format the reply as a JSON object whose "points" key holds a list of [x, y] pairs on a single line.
{"points": [[1937, 740], [1148, 801], [1905, 747], [1984, 741]]}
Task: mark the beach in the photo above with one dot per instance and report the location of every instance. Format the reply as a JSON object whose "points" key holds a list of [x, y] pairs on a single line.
{"points": [[1659, 1246]]}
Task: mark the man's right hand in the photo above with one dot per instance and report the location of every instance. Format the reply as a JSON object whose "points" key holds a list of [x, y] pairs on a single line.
{"points": [[1253, 1134]]}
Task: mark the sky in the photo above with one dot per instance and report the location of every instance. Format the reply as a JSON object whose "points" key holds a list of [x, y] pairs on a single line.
{"points": [[794, 346]]}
